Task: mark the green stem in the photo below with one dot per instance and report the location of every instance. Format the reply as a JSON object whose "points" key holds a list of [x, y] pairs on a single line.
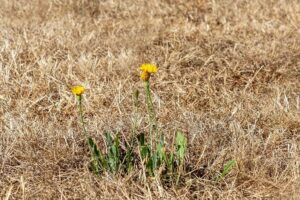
{"points": [[89, 140], [81, 117], [151, 113]]}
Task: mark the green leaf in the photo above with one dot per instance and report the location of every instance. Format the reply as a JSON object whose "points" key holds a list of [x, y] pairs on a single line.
{"points": [[109, 139], [154, 159], [181, 146], [97, 159], [129, 159], [141, 139], [93, 147], [226, 170], [149, 167], [113, 154], [145, 152], [161, 149], [170, 162], [161, 154]]}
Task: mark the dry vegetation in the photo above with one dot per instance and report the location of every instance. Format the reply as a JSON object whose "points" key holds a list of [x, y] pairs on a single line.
{"points": [[229, 78]]}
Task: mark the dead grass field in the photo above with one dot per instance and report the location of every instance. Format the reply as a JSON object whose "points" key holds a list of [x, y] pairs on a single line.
{"points": [[229, 78]]}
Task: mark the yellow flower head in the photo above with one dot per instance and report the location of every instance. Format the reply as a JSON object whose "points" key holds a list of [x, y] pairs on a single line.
{"points": [[147, 70], [78, 90], [150, 68]]}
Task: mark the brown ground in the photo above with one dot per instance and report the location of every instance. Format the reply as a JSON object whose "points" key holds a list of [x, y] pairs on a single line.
{"points": [[229, 78]]}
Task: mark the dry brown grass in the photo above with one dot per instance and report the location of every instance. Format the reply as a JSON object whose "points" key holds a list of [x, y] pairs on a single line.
{"points": [[229, 78]]}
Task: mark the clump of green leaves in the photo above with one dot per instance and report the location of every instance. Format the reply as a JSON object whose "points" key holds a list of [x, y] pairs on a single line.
{"points": [[115, 160], [120, 160], [172, 162]]}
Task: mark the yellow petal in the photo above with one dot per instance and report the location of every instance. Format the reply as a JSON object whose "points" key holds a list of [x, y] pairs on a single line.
{"points": [[150, 68], [78, 90]]}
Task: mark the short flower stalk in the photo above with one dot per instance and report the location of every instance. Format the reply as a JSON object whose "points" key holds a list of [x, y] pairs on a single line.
{"points": [[78, 91]]}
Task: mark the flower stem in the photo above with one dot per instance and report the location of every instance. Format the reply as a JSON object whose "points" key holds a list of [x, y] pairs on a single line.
{"points": [[151, 112], [81, 116], [89, 140]]}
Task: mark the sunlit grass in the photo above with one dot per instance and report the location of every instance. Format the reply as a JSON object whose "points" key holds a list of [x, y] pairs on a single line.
{"points": [[228, 81]]}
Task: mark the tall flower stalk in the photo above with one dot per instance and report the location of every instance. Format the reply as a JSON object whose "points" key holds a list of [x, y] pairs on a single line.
{"points": [[147, 70]]}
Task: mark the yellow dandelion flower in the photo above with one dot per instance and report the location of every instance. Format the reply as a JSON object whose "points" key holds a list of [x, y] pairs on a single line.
{"points": [[78, 90], [150, 68]]}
